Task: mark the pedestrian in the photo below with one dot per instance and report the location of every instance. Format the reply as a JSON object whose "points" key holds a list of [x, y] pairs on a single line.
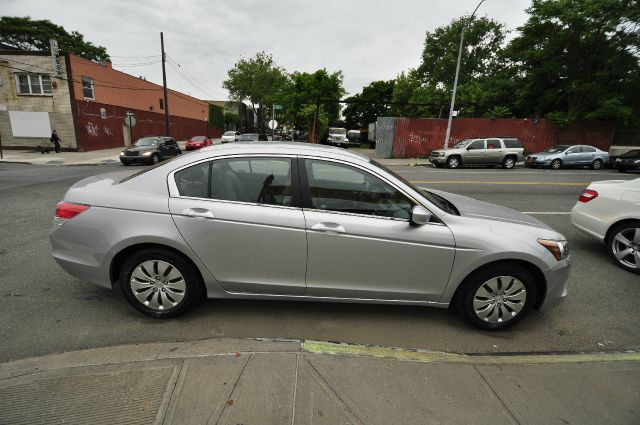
{"points": [[56, 141]]}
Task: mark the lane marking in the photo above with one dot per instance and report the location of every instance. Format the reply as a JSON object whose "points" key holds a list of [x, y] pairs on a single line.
{"points": [[547, 212], [524, 183], [333, 348]]}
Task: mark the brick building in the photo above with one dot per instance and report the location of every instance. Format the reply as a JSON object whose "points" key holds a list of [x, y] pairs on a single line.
{"points": [[87, 103]]}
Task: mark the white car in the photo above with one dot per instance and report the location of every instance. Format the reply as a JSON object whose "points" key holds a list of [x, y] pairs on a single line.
{"points": [[610, 212], [230, 136]]}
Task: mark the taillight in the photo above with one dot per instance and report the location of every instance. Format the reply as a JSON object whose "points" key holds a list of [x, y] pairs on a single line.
{"points": [[67, 210], [588, 195]]}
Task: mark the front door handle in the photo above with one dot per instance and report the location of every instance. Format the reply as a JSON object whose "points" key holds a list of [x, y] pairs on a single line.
{"points": [[198, 213], [328, 227]]}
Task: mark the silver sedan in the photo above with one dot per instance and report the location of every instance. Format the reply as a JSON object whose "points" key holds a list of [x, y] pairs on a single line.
{"points": [[303, 222]]}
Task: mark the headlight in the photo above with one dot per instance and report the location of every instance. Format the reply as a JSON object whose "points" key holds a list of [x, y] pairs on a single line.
{"points": [[559, 249], [147, 153], [121, 153], [637, 161], [618, 160]]}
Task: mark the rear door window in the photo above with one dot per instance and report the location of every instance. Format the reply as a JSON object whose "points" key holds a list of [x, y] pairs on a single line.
{"points": [[493, 144], [194, 181]]}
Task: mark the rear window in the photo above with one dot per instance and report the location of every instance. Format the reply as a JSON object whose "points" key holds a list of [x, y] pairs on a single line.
{"points": [[198, 138], [588, 149], [512, 144]]}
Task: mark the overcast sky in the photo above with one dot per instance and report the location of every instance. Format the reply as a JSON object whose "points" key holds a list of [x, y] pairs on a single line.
{"points": [[367, 39]]}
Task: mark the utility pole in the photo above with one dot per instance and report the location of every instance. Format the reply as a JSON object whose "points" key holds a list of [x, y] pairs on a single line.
{"points": [[455, 80], [164, 87], [273, 118]]}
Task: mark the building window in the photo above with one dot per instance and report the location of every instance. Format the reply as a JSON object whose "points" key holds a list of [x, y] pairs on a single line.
{"points": [[87, 88], [161, 104], [38, 84]]}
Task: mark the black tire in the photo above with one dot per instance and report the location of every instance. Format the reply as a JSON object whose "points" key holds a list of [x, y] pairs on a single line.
{"points": [[596, 164], [454, 161], [509, 162], [556, 164], [194, 288], [154, 159], [436, 165], [125, 163], [464, 299], [622, 170], [614, 246]]}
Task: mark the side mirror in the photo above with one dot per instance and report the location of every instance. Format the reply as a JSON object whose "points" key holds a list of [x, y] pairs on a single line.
{"points": [[420, 215], [567, 153]]}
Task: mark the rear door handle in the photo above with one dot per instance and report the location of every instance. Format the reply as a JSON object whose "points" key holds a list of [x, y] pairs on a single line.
{"points": [[198, 213], [328, 227]]}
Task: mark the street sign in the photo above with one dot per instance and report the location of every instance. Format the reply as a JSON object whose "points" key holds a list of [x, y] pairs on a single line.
{"points": [[273, 124], [277, 107], [129, 120]]}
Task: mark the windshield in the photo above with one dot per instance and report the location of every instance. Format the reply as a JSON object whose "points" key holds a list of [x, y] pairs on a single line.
{"points": [[147, 141], [249, 137], [229, 133], [437, 200], [463, 144], [557, 148], [631, 154], [198, 138], [337, 131]]}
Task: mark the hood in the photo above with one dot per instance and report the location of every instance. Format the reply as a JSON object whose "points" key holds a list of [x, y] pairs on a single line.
{"points": [[544, 154], [469, 207], [141, 148]]}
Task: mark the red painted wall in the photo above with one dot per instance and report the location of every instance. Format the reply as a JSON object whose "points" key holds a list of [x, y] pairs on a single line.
{"points": [[94, 132], [416, 137]]}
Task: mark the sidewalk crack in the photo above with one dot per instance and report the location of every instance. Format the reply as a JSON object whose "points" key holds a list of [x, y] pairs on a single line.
{"points": [[295, 390], [511, 414], [235, 384], [177, 387]]}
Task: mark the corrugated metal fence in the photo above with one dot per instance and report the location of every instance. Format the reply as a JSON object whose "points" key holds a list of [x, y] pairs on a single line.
{"points": [[416, 137], [385, 131]]}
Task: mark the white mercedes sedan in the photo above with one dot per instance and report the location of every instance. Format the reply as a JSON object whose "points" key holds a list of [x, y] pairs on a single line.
{"points": [[610, 212]]}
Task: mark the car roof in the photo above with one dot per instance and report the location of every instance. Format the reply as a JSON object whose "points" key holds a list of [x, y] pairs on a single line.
{"points": [[290, 148]]}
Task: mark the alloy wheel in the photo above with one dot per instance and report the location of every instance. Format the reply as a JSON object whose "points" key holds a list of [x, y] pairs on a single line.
{"points": [[597, 164], [158, 285], [556, 164], [499, 299], [626, 247], [509, 163], [453, 162]]}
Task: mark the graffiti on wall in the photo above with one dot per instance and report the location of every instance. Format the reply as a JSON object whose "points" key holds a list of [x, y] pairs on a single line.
{"points": [[107, 131], [92, 129]]}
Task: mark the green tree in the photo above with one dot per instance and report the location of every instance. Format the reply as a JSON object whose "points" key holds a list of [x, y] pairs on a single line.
{"points": [[259, 81], [374, 98], [25, 33], [578, 59], [305, 89], [484, 73]]}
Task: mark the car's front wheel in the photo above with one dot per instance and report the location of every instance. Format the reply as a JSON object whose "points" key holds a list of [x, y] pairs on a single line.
{"points": [[160, 283], [624, 246], [496, 297], [453, 162], [155, 159], [556, 164]]}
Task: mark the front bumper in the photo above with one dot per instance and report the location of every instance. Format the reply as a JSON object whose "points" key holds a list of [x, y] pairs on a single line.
{"points": [[528, 162], [437, 159], [556, 278], [131, 159]]}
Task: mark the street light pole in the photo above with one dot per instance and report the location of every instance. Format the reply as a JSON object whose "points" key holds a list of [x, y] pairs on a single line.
{"points": [[455, 80]]}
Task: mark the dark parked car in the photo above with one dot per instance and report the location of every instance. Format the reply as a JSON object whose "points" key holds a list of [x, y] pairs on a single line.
{"points": [[628, 161], [151, 150], [254, 137]]}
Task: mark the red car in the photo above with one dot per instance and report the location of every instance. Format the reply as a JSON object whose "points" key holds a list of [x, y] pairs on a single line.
{"points": [[197, 142]]}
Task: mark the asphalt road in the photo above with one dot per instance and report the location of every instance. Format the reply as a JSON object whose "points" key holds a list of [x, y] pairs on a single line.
{"points": [[43, 310]]}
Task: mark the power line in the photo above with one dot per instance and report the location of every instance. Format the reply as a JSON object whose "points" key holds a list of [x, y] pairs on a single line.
{"points": [[188, 80]]}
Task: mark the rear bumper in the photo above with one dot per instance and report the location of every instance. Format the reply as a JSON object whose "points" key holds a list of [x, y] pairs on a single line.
{"points": [[588, 223]]}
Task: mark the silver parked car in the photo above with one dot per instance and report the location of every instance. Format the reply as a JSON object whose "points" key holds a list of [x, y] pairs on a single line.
{"points": [[492, 151], [303, 222], [560, 156]]}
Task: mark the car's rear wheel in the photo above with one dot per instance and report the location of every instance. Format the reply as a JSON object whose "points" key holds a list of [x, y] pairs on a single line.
{"points": [[160, 283], [597, 164], [624, 246], [509, 162], [496, 297], [556, 164], [453, 162]]}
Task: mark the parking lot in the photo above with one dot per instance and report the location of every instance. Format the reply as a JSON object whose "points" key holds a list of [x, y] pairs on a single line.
{"points": [[44, 310]]}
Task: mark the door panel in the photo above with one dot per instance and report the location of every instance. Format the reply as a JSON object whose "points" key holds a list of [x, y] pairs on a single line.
{"points": [[247, 248], [494, 152], [376, 258], [476, 153]]}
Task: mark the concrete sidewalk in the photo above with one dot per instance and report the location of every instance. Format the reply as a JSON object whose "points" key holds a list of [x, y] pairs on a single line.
{"points": [[240, 381]]}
